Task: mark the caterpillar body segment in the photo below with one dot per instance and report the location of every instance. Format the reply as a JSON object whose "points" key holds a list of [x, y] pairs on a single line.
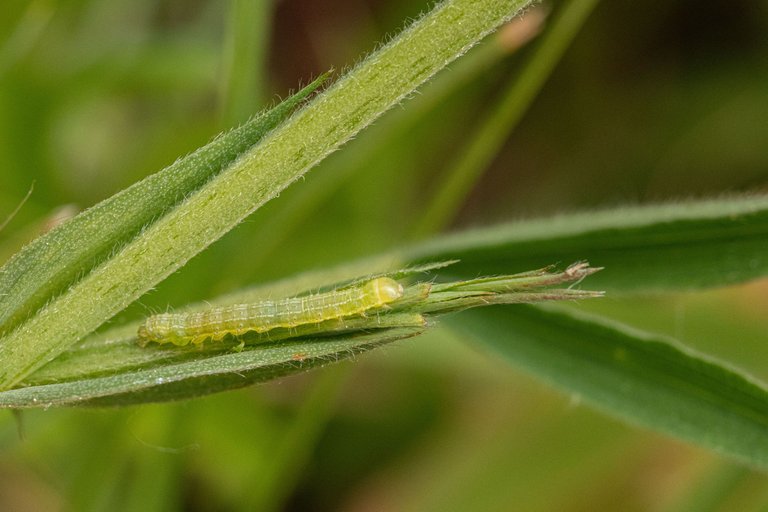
{"points": [[238, 319]]}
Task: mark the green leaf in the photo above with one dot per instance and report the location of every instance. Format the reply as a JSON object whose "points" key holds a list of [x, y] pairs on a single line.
{"points": [[112, 364], [657, 248], [187, 379], [381, 81], [646, 379], [117, 350], [49, 264]]}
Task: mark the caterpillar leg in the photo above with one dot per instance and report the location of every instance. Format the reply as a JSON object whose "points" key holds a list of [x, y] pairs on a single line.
{"points": [[198, 340]]}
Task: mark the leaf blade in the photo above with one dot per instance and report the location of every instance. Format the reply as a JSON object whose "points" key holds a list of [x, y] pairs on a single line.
{"points": [[193, 378], [53, 261], [647, 249], [649, 380]]}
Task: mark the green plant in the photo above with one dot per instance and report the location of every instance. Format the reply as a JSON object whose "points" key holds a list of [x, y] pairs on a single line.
{"points": [[48, 355]]}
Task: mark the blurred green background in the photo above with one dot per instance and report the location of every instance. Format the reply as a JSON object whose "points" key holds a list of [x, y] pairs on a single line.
{"points": [[654, 101]]}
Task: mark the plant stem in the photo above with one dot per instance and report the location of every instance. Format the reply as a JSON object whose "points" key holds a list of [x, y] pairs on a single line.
{"points": [[494, 130], [245, 52]]}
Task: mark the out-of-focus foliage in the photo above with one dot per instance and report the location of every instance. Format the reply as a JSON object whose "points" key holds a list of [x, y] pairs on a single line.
{"points": [[653, 101]]}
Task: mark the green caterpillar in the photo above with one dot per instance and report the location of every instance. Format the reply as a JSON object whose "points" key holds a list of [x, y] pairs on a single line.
{"points": [[185, 328]]}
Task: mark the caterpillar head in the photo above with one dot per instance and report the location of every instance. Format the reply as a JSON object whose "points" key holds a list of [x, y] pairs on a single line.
{"points": [[386, 289]]}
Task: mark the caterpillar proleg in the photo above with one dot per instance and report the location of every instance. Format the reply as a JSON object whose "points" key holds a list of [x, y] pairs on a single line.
{"points": [[238, 319]]}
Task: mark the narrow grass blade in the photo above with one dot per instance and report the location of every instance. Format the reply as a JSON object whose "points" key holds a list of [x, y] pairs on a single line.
{"points": [[487, 140], [376, 143], [645, 379], [54, 261], [656, 248], [245, 52], [188, 379], [117, 350]]}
